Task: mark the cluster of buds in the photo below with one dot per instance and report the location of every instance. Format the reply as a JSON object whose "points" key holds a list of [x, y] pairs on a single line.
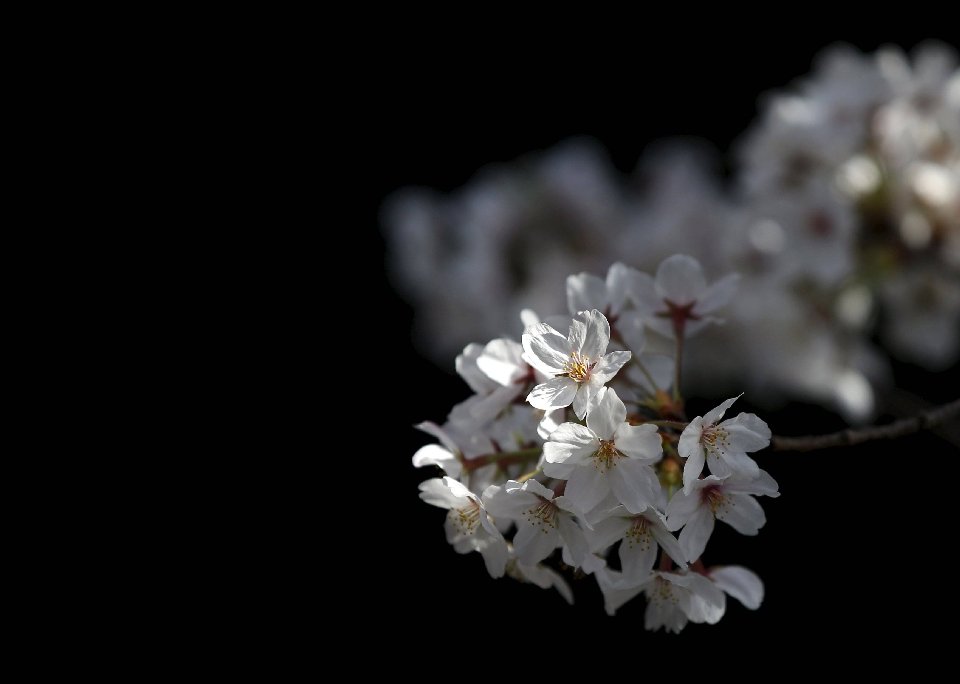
{"points": [[576, 439]]}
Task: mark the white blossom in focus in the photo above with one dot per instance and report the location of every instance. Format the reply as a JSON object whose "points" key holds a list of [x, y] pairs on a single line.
{"points": [[723, 446], [586, 291], [714, 498], [577, 364], [608, 454], [640, 535]]}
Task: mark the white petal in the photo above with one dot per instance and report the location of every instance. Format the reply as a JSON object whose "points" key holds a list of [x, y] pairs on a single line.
{"points": [[692, 469], [607, 532], [629, 327], [637, 557], [436, 493], [643, 292], [585, 399], [635, 485], [554, 393], [466, 365], [571, 443], [713, 415], [609, 366], [740, 464], [502, 361], [670, 545], [587, 487], [696, 533], [639, 441], [762, 485], [438, 432], [742, 513], [545, 349], [596, 335], [494, 552], [680, 279], [560, 471], [747, 432], [609, 414], [689, 443], [741, 583], [574, 541], [507, 505], [533, 543], [681, 508], [434, 454], [717, 295], [531, 487], [707, 603], [586, 291], [619, 281]]}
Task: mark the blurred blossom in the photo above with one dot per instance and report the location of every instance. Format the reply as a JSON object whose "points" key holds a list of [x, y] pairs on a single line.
{"points": [[844, 215]]}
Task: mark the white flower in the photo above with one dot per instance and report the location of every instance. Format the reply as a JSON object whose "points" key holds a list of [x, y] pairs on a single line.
{"points": [[446, 456], [678, 301], [608, 454], [730, 500], [468, 526], [544, 521], [739, 582], [586, 291], [724, 446], [578, 362], [639, 537], [673, 599]]}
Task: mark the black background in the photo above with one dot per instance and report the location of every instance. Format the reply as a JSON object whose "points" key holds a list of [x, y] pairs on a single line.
{"points": [[856, 545]]}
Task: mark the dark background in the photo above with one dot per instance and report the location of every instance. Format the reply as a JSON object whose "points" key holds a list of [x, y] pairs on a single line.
{"points": [[856, 544]]}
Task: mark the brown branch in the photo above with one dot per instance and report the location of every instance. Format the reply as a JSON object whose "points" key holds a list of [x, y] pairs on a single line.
{"points": [[906, 426]]}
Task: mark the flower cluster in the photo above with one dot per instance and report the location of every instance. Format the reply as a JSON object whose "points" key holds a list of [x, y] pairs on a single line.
{"points": [[845, 226], [576, 440]]}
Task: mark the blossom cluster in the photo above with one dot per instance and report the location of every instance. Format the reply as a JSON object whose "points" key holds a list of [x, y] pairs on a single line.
{"points": [[844, 221], [574, 452]]}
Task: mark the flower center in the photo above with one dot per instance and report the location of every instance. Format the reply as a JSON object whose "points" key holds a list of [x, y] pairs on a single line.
{"points": [[467, 518], [606, 456], [715, 438], [578, 367], [639, 534], [661, 591], [543, 515], [712, 496]]}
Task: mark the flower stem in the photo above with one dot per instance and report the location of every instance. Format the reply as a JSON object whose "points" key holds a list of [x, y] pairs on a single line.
{"points": [[532, 473], [679, 425], [678, 334]]}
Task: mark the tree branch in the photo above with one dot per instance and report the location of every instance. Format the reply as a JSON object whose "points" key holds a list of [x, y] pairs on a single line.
{"points": [[906, 426]]}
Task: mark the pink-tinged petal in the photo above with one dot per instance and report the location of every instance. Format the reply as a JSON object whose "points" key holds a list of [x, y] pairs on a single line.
{"points": [[502, 361], [696, 533], [436, 493], [713, 415], [584, 292], [533, 543], [629, 327], [434, 454], [609, 414], [681, 508], [609, 366], [680, 279], [643, 292], [741, 583], [554, 393], [635, 485], [545, 349], [718, 295], [638, 553], [586, 487], [571, 443], [689, 443], [639, 441], [596, 334], [742, 513]]}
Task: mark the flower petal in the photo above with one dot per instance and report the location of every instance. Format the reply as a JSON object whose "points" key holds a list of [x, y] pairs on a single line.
{"points": [[554, 393], [643, 292], [692, 469], [607, 532], [533, 543], [718, 294], [494, 552], [545, 349], [596, 334], [669, 544], [713, 415], [570, 443], [681, 508], [639, 441], [436, 493], [680, 279], [741, 583], [587, 487], [586, 291], [696, 533], [609, 414], [502, 361], [747, 432], [434, 454], [635, 485], [609, 366], [743, 513], [638, 553]]}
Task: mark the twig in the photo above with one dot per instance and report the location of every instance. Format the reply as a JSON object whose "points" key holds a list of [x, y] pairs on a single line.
{"points": [[848, 437]]}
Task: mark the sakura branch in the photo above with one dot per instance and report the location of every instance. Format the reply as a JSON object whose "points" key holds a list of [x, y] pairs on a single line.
{"points": [[576, 447]]}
